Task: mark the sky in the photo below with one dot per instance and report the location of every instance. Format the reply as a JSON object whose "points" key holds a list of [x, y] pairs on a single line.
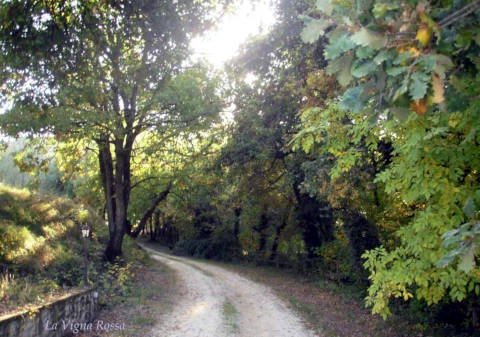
{"points": [[220, 45]]}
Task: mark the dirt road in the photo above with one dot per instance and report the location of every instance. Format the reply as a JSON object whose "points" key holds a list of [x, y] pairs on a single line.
{"points": [[215, 302]]}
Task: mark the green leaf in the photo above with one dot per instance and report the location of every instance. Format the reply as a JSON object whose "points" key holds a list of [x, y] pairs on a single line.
{"points": [[336, 65], [341, 67], [360, 69], [368, 38], [380, 9], [450, 234], [400, 91], [418, 86], [395, 71], [451, 241], [436, 132], [428, 63], [447, 259], [313, 29], [442, 64], [351, 99], [381, 57], [467, 260], [325, 6], [402, 57], [364, 53], [338, 46], [469, 208], [307, 143]]}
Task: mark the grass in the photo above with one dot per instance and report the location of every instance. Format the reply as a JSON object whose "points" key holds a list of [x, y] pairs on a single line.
{"points": [[301, 306], [230, 315], [143, 320], [140, 296], [348, 291]]}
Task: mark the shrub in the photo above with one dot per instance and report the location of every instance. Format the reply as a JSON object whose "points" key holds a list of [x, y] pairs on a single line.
{"points": [[337, 261], [15, 242]]}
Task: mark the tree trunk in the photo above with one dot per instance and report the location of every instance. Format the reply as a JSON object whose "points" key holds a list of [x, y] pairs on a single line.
{"points": [[148, 214], [116, 189], [156, 222], [115, 224], [153, 230], [236, 225], [276, 240], [106, 172]]}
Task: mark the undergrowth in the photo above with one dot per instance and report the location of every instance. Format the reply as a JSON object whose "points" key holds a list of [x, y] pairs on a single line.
{"points": [[42, 252]]}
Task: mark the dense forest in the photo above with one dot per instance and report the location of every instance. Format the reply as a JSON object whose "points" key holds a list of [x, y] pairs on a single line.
{"points": [[343, 143]]}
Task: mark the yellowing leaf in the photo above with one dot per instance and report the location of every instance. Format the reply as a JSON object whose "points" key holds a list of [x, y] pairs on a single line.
{"points": [[419, 106], [307, 143], [414, 51], [438, 89], [424, 34]]}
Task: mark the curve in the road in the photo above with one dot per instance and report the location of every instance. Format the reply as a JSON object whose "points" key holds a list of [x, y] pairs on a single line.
{"points": [[215, 302]]}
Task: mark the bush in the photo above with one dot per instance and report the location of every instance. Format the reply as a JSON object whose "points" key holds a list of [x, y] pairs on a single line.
{"points": [[15, 242], [337, 261], [114, 281], [221, 245]]}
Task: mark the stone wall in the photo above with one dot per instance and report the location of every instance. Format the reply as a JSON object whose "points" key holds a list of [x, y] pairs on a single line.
{"points": [[64, 317]]}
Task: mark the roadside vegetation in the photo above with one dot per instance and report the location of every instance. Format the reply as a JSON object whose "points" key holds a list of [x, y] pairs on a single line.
{"points": [[150, 295], [42, 256], [230, 316]]}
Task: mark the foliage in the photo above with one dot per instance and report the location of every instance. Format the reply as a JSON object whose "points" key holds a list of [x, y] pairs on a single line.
{"points": [[424, 170], [338, 261], [394, 59], [465, 239], [115, 282], [352, 152]]}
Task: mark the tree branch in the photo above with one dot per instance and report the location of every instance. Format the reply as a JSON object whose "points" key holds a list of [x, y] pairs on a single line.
{"points": [[148, 214]]}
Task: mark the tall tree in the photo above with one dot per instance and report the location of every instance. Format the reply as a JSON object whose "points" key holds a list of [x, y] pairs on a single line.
{"points": [[266, 118], [106, 72]]}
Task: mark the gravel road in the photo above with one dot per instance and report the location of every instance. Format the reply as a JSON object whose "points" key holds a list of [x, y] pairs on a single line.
{"points": [[215, 302]]}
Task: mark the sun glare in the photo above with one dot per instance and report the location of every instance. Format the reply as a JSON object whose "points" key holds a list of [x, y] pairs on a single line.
{"points": [[221, 44]]}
